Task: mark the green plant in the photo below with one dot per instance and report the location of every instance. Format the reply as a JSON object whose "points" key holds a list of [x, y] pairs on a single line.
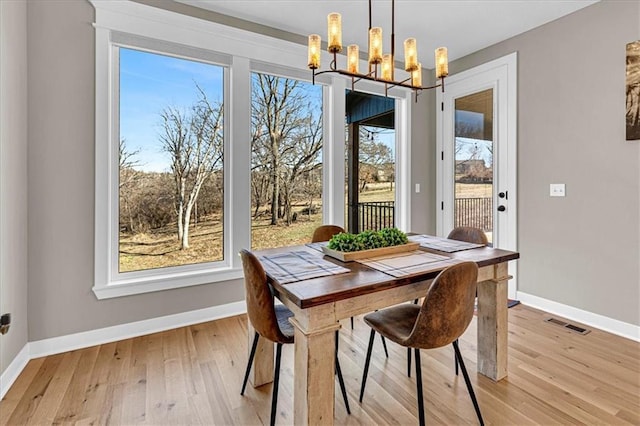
{"points": [[345, 242], [393, 236], [371, 239]]}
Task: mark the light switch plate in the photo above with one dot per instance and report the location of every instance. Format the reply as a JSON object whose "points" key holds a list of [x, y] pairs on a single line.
{"points": [[556, 190], [417, 188]]}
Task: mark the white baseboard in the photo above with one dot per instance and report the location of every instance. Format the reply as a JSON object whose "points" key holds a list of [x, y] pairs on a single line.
{"points": [[100, 336], [13, 370], [620, 328]]}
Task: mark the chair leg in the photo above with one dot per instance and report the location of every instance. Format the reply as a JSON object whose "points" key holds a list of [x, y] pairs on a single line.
{"points": [[352, 323], [408, 362], [419, 388], [455, 359], [340, 378], [276, 381], [366, 363], [468, 382], [384, 345], [254, 345]]}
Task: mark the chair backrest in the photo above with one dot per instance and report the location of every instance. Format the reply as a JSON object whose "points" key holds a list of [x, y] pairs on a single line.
{"points": [[468, 234], [447, 309], [325, 232], [259, 298]]}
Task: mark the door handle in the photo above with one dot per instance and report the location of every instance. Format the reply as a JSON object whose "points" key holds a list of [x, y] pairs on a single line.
{"points": [[501, 208]]}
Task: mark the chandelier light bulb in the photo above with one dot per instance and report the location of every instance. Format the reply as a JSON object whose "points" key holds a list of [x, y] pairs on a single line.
{"points": [[416, 76], [410, 55], [442, 62], [314, 51], [353, 58], [375, 45], [387, 67], [334, 24]]}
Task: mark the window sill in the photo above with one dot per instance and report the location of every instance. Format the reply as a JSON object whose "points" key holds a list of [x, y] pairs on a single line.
{"points": [[130, 287]]}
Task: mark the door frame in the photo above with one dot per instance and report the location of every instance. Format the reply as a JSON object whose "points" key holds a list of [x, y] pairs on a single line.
{"points": [[501, 75]]}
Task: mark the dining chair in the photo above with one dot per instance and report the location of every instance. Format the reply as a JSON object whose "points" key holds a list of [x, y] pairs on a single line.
{"points": [[444, 315], [271, 322], [467, 234], [325, 232]]}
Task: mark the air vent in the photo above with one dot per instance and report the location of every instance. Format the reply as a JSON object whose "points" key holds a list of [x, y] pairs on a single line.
{"points": [[568, 326]]}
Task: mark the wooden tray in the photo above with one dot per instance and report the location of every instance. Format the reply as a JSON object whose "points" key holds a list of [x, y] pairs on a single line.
{"points": [[363, 254]]}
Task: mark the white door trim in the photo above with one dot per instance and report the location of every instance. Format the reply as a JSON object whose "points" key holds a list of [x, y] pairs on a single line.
{"points": [[500, 74]]}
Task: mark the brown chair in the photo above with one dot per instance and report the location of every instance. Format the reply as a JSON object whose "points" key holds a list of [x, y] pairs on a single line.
{"points": [[445, 314], [468, 234], [325, 232], [271, 322]]}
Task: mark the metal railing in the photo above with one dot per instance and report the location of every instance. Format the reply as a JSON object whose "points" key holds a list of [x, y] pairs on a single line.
{"points": [[476, 212], [376, 215]]}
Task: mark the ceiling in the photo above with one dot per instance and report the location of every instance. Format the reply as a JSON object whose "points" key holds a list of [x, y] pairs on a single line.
{"points": [[463, 26]]}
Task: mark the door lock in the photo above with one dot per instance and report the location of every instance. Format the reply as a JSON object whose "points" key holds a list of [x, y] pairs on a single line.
{"points": [[501, 208]]}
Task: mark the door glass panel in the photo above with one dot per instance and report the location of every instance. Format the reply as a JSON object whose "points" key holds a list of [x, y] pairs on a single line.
{"points": [[370, 162], [473, 193]]}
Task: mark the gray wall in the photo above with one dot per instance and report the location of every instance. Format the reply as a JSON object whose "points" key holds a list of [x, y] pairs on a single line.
{"points": [[423, 163], [13, 176], [581, 250], [61, 55]]}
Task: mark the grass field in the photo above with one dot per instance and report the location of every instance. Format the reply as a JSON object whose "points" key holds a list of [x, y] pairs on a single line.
{"points": [[160, 248]]}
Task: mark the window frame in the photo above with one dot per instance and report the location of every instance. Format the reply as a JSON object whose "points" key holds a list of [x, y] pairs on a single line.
{"points": [[243, 52]]}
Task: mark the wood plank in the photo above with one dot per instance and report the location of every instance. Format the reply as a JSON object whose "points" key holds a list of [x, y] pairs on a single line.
{"points": [[555, 378], [492, 324]]}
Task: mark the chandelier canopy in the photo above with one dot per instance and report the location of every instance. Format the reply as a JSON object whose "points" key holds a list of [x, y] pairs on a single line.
{"points": [[381, 66]]}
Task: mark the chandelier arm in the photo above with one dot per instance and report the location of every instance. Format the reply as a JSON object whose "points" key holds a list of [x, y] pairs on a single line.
{"points": [[369, 77]]}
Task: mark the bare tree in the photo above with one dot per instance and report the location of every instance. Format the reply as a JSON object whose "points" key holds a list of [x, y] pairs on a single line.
{"points": [[282, 118], [374, 156], [194, 141], [128, 176]]}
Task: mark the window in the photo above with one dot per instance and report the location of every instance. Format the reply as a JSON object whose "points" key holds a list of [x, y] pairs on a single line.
{"points": [[166, 81], [171, 180], [286, 160]]}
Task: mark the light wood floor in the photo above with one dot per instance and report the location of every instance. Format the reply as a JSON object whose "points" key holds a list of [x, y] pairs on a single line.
{"points": [[193, 375]]}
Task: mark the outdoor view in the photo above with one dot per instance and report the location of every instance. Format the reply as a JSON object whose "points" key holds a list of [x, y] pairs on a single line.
{"points": [[376, 178], [286, 161], [474, 161], [171, 161]]}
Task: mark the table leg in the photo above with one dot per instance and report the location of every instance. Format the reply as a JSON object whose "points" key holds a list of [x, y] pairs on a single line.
{"points": [[492, 324], [314, 386], [262, 370]]}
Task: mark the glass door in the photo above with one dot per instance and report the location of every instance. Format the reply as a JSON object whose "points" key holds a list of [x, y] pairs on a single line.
{"points": [[476, 139], [473, 156]]}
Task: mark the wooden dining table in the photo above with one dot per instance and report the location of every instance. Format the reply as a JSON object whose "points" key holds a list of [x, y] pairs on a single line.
{"points": [[320, 303]]}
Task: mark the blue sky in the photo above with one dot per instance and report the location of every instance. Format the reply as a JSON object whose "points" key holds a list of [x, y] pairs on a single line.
{"points": [[150, 82]]}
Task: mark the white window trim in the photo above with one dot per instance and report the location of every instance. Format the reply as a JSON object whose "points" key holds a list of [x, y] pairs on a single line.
{"points": [[244, 48]]}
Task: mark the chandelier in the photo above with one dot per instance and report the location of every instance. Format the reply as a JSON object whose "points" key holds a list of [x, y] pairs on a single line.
{"points": [[381, 66]]}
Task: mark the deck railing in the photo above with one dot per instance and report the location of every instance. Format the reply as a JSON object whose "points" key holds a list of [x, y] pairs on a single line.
{"points": [[476, 212], [376, 215]]}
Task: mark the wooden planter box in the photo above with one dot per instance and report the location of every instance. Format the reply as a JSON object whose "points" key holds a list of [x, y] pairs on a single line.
{"points": [[350, 256]]}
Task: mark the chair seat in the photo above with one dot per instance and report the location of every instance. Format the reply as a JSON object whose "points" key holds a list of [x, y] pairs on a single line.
{"points": [[283, 314], [394, 323]]}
